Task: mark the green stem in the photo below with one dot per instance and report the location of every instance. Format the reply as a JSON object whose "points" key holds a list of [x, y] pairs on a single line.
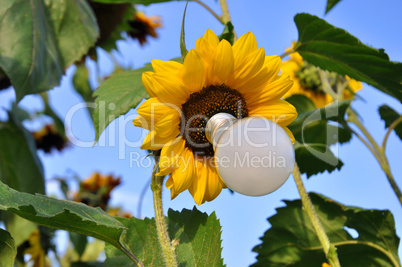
{"points": [[225, 11], [161, 227], [287, 53], [329, 249], [353, 118], [131, 256], [376, 150], [326, 86], [391, 127], [210, 11]]}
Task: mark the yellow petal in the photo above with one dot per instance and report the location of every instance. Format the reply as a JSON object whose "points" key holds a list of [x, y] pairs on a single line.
{"points": [[169, 154], [292, 138], [140, 121], [265, 75], [148, 83], [221, 68], [198, 187], [168, 66], [211, 38], [169, 88], [194, 72], [271, 92], [280, 112], [214, 184], [205, 50], [248, 68], [152, 110], [169, 185], [245, 45], [154, 142], [184, 175], [168, 123]]}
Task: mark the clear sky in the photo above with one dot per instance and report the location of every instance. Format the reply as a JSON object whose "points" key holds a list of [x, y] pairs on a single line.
{"points": [[359, 183]]}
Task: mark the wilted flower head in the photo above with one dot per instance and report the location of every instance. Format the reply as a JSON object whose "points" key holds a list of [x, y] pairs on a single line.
{"points": [[142, 26], [48, 138], [95, 190]]}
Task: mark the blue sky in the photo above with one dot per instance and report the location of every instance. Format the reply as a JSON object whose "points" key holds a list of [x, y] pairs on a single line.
{"points": [[359, 183]]}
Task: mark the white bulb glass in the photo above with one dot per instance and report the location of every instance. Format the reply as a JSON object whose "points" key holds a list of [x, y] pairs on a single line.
{"points": [[254, 156]]}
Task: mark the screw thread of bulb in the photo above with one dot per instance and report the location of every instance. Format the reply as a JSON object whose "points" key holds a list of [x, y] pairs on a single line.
{"points": [[216, 125]]}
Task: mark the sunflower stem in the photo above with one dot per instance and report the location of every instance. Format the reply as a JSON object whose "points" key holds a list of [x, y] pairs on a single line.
{"points": [[161, 227], [329, 249], [377, 150], [225, 11], [287, 53]]}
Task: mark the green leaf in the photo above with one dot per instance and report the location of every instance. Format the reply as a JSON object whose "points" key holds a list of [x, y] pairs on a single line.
{"points": [[21, 169], [19, 113], [183, 49], [78, 29], [334, 49], [197, 235], [61, 214], [117, 95], [39, 39], [79, 242], [316, 158], [330, 5], [389, 115], [312, 125], [291, 240], [228, 33], [8, 250]]}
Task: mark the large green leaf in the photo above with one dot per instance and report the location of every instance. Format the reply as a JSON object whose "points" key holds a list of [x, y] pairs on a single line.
{"points": [[20, 166], [196, 233], [315, 130], [316, 158], [61, 214], [291, 240], [330, 5], [117, 95], [8, 250], [40, 38], [21, 169], [389, 115], [311, 124], [334, 49]]}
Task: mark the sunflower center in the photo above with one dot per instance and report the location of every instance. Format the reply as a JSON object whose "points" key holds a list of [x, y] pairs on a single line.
{"points": [[309, 78], [203, 105]]}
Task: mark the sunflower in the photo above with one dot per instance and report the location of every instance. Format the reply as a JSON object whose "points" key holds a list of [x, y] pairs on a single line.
{"points": [[307, 80], [214, 77]]}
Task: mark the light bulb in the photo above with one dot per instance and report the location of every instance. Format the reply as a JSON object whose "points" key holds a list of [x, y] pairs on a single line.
{"points": [[254, 156]]}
